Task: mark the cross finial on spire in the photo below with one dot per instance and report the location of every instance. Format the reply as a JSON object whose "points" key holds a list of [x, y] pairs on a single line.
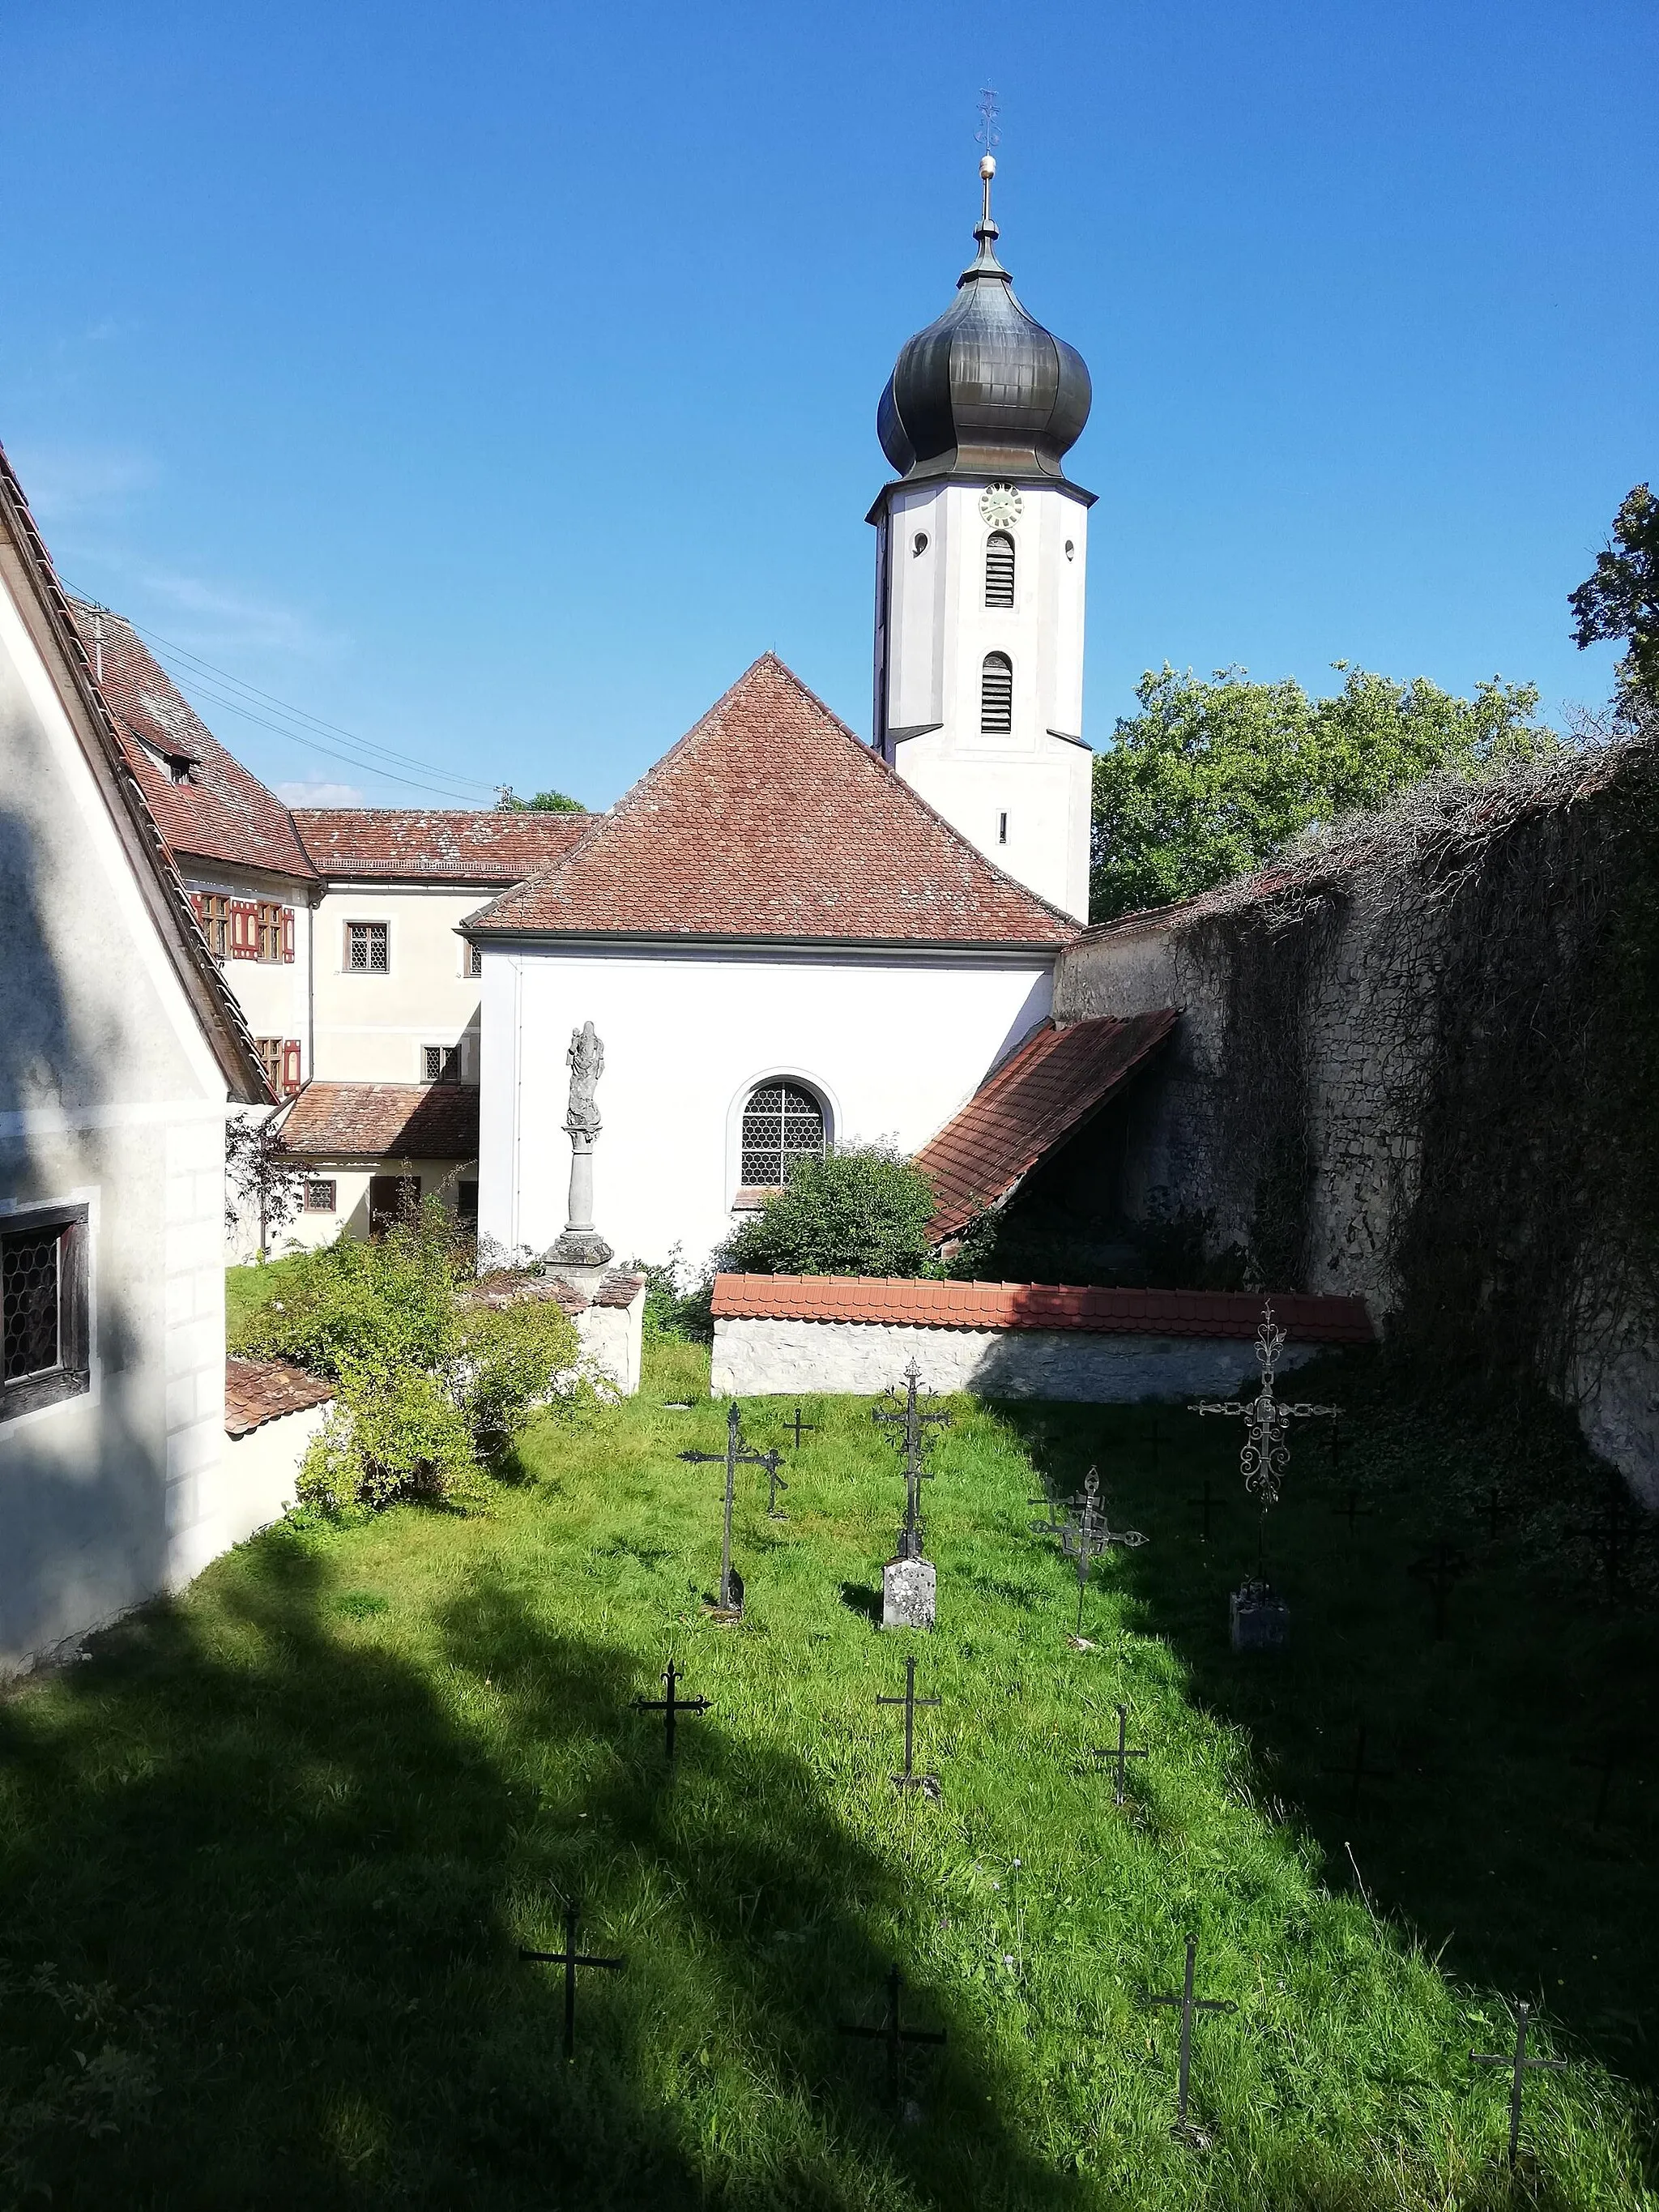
{"points": [[988, 136]]}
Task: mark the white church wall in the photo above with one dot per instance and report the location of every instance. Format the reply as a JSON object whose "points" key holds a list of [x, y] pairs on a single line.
{"points": [[893, 1044]]}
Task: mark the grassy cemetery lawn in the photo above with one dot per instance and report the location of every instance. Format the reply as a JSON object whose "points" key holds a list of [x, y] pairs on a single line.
{"points": [[272, 1852]]}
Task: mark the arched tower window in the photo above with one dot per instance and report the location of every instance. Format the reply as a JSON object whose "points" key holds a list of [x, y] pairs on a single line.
{"points": [[999, 569], [782, 1122], [996, 694]]}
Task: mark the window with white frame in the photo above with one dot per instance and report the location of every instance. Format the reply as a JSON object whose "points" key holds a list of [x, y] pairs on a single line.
{"points": [[472, 958], [367, 948], [440, 1063], [782, 1123], [45, 1325]]}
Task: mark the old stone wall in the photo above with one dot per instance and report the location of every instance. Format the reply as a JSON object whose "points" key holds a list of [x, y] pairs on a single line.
{"points": [[1421, 1065]]}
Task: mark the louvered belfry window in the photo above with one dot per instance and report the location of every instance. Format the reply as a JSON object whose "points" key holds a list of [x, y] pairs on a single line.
{"points": [[996, 694], [781, 1123], [999, 569]]}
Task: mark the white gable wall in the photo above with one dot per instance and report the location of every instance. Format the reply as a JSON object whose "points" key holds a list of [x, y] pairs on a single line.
{"points": [[892, 1042], [110, 1097]]}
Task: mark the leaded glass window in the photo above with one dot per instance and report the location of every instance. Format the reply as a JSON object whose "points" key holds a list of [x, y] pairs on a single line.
{"points": [[29, 1290], [781, 1123]]}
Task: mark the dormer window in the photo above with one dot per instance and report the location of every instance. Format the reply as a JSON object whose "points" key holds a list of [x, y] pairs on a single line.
{"points": [[996, 696], [999, 569]]}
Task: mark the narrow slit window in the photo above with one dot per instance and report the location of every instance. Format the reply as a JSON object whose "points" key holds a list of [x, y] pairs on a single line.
{"points": [[996, 694], [999, 569], [1002, 828]]}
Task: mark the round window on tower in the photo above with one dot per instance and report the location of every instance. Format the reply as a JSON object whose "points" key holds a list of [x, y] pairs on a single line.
{"points": [[1071, 550], [920, 543]]}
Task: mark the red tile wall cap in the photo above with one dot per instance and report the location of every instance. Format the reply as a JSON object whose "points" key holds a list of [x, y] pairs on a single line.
{"points": [[384, 1122], [261, 1390], [1306, 1318]]}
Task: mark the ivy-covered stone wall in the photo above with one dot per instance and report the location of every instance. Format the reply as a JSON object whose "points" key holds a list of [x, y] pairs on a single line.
{"points": [[1420, 1063]]}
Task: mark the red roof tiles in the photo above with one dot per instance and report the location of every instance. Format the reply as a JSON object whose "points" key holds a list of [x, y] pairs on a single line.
{"points": [[384, 1120], [398, 844], [925, 1304], [261, 1390], [221, 812], [1048, 1088], [770, 820]]}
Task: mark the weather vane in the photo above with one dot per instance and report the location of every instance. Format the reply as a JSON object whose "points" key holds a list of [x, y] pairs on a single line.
{"points": [[987, 135]]}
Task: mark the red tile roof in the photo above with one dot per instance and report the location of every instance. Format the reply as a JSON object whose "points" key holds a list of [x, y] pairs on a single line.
{"points": [[261, 1390], [1056, 1080], [922, 1304], [223, 812], [400, 844], [384, 1120], [770, 820]]}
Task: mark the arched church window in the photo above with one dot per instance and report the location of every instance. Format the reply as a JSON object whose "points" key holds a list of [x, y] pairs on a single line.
{"points": [[996, 694], [782, 1122], [999, 569]]}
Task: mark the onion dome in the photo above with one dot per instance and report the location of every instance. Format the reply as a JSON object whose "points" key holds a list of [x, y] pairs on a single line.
{"points": [[985, 390]]}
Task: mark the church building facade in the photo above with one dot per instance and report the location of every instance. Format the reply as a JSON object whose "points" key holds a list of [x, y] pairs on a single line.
{"points": [[786, 939]]}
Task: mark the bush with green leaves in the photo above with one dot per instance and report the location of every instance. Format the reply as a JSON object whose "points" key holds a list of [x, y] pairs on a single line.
{"points": [[860, 1210], [429, 1389]]}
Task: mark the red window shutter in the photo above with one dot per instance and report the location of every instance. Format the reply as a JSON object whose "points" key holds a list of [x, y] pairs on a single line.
{"points": [[288, 932], [196, 901], [290, 1066], [244, 930]]}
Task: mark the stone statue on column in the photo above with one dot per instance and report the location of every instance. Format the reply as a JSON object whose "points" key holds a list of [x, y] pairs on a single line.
{"points": [[581, 1244]]}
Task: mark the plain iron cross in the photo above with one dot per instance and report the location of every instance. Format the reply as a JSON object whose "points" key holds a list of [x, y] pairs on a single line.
{"points": [[912, 1420], [570, 1958], [1088, 1535], [1359, 1772], [798, 1428], [736, 1454], [892, 2031], [910, 1779], [1518, 2062], [1207, 1501], [1188, 2004], [671, 1707], [1119, 1753], [1353, 1511], [1606, 1767], [1267, 1452], [1440, 1569]]}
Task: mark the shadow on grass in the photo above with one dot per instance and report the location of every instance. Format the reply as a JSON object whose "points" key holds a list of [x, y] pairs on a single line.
{"points": [[266, 1892], [858, 1598], [1470, 1818]]}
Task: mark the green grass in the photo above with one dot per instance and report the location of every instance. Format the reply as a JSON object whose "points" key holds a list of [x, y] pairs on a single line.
{"points": [[247, 1289], [270, 1852]]}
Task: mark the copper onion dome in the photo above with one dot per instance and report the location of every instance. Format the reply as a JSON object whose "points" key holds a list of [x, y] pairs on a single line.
{"points": [[985, 390]]}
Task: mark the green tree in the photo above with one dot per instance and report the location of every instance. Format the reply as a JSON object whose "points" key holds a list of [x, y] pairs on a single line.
{"points": [[545, 802], [863, 1210], [1216, 775], [1621, 600]]}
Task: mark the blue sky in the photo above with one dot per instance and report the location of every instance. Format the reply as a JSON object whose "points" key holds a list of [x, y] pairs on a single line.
{"points": [[494, 383]]}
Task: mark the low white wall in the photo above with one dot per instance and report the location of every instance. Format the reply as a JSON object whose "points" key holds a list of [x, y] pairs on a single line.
{"points": [[259, 1472], [612, 1339], [761, 1358]]}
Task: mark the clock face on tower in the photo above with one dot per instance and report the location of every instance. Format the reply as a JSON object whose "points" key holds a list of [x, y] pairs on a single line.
{"points": [[1000, 504]]}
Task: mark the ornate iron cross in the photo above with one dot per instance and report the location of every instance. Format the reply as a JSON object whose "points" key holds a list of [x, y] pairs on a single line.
{"points": [[1518, 2062], [671, 1707], [736, 1454], [1087, 1533], [570, 1958], [891, 2033], [1267, 1452], [1187, 2004], [912, 1421], [910, 1779]]}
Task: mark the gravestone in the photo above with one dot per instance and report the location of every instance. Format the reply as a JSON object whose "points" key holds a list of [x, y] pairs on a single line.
{"points": [[1259, 1619], [909, 1590]]}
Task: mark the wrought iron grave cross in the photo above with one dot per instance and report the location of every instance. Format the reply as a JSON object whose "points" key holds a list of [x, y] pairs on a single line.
{"points": [[1518, 2062], [912, 1420], [672, 1706], [1087, 1533], [910, 1779], [1118, 1752], [1440, 1569], [891, 2031], [1267, 1452], [570, 1958], [798, 1428], [729, 1603], [1188, 2004]]}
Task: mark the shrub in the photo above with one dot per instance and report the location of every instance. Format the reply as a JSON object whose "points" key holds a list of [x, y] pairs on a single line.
{"points": [[430, 1389], [862, 1210]]}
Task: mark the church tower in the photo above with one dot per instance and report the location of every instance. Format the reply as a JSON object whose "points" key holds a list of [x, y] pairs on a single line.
{"points": [[981, 558]]}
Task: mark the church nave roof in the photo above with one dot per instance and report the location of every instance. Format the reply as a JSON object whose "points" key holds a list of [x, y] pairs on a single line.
{"points": [[771, 820]]}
